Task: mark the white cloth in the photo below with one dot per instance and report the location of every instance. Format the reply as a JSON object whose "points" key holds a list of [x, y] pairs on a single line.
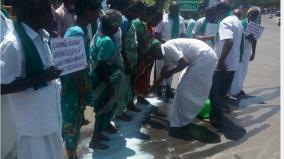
{"points": [[190, 26], [36, 112], [6, 26], [104, 5], [165, 27], [8, 127], [240, 75], [230, 28], [198, 25], [211, 30], [66, 19], [44, 147], [195, 80]]}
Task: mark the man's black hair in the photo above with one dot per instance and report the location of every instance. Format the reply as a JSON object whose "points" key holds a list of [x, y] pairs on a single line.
{"points": [[210, 11]]}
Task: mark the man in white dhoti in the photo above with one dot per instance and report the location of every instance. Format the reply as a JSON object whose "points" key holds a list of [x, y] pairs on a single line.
{"points": [[31, 83], [247, 53], [197, 62]]}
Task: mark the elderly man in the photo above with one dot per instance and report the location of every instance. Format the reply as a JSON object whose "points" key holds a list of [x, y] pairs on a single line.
{"points": [[196, 62], [247, 53]]}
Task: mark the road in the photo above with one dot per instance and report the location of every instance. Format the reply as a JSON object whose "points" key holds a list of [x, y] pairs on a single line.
{"points": [[253, 129]]}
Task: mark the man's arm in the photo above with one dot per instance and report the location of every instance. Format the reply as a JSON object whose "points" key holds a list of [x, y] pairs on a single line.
{"points": [[227, 47], [21, 84], [204, 38], [253, 50], [182, 64]]}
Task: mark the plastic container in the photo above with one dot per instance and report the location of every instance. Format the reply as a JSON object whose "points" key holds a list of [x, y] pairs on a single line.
{"points": [[205, 112]]}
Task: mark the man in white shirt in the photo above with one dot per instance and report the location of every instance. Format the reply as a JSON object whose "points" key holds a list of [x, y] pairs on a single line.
{"points": [[8, 133], [67, 17], [227, 48], [206, 27], [33, 92], [196, 62], [172, 26]]}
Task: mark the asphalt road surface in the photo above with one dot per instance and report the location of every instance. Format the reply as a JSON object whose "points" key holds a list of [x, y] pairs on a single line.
{"points": [[252, 130]]}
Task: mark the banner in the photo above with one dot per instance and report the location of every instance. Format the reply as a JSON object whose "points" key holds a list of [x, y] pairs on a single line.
{"points": [[255, 29], [68, 54]]}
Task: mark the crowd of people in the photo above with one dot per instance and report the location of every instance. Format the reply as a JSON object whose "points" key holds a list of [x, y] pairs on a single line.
{"points": [[124, 41]]}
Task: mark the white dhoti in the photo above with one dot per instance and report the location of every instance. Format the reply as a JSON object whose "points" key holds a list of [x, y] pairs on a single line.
{"points": [[8, 133], [43, 147], [192, 90], [240, 75]]}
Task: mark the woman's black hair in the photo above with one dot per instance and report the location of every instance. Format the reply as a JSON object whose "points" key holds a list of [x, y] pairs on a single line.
{"points": [[106, 19], [82, 5]]}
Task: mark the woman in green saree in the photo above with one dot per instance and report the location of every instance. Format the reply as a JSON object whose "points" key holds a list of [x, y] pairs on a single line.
{"points": [[76, 92], [107, 76]]}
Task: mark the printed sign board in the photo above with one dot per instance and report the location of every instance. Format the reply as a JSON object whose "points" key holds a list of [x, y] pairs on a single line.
{"points": [[255, 29], [69, 54]]}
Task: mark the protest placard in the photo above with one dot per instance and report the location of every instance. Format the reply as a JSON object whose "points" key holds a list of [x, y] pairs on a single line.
{"points": [[68, 54], [255, 29]]}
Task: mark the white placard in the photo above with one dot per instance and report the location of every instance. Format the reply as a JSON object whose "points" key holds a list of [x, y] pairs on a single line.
{"points": [[68, 54], [255, 29]]}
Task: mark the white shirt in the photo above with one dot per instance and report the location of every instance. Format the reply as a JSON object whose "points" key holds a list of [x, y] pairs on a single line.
{"points": [[6, 25], [191, 49], [230, 28], [104, 5], [190, 26], [165, 27], [211, 29], [36, 112]]}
